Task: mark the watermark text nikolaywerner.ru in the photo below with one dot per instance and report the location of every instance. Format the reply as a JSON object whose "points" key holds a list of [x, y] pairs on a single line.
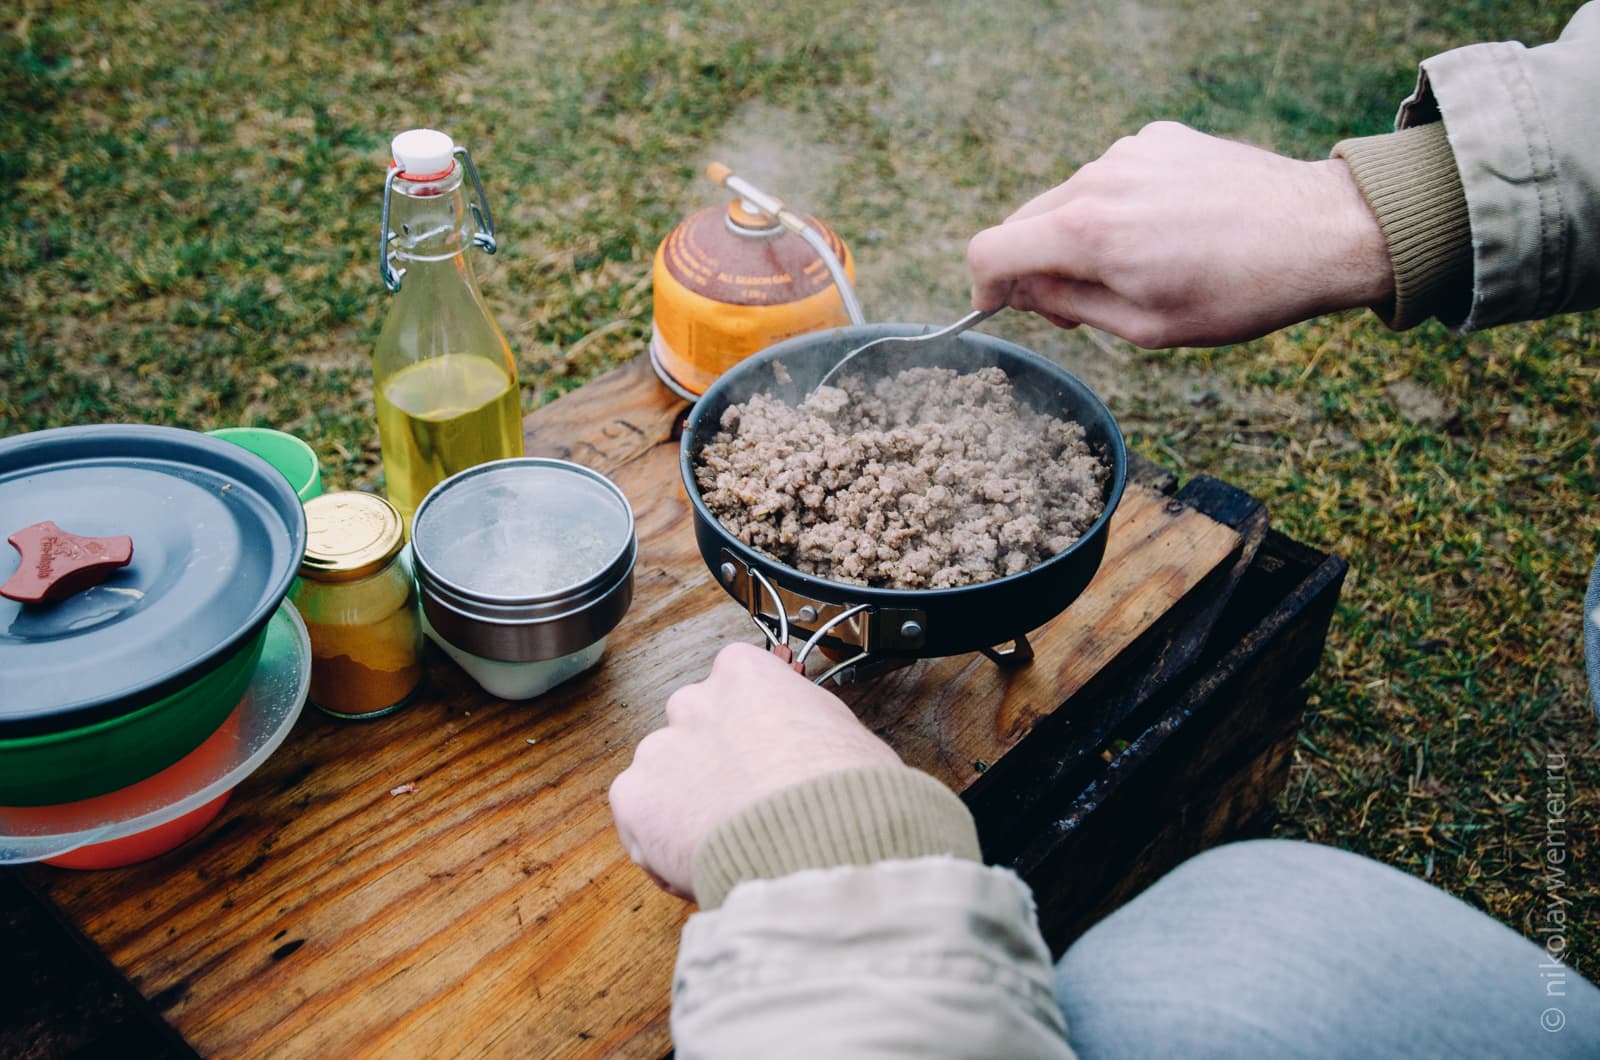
{"points": [[1552, 928]]}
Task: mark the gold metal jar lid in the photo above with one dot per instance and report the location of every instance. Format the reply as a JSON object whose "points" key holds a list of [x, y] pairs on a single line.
{"points": [[350, 535]]}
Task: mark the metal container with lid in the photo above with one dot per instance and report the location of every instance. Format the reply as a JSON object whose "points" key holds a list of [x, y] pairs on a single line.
{"points": [[524, 565], [360, 606]]}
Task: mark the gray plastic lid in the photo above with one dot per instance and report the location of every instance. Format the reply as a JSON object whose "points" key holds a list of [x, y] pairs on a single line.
{"points": [[217, 537], [522, 529]]}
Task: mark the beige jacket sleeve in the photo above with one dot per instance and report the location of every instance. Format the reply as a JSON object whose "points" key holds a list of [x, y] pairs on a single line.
{"points": [[1489, 193], [895, 941]]}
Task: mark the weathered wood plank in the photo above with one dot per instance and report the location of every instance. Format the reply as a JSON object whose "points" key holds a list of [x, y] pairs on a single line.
{"points": [[1191, 772], [605, 423], [1010, 799], [492, 910]]}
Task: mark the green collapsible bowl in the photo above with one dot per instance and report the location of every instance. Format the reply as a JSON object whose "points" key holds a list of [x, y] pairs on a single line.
{"points": [[106, 755], [119, 680]]}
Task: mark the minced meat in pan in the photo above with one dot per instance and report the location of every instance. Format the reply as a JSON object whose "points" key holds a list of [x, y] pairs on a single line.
{"points": [[925, 479]]}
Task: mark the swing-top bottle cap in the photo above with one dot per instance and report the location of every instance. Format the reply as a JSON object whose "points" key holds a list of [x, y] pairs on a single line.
{"points": [[423, 154]]}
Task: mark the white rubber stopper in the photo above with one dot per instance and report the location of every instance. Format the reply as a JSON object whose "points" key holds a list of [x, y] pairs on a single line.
{"points": [[423, 152]]}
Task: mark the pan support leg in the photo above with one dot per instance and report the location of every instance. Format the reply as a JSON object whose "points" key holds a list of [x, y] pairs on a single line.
{"points": [[1018, 653]]}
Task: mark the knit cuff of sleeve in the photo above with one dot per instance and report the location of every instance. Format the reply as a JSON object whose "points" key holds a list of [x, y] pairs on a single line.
{"points": [[849, 817], [1410, 180]]}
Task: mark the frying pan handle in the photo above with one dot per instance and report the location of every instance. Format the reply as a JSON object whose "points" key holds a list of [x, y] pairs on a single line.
{"points": [[785, 654], [778, 640], [823, 630]]}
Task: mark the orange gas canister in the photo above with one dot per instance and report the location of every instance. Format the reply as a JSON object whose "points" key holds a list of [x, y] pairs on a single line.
{"points": [[732, 280]]}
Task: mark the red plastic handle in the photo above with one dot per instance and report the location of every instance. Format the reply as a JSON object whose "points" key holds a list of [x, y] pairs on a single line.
{"points": [[56, 564], [786, 654]]}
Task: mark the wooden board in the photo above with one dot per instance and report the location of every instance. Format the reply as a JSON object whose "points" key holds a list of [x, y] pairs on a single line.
{"points": [[1200, 764], [492, 911]]}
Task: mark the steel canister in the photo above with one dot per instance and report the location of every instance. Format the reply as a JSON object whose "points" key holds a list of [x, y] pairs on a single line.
{"points": [[523, 562]]}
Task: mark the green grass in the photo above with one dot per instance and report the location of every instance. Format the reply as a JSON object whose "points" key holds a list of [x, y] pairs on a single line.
{"points": [[1454, 668], [191, 229]]}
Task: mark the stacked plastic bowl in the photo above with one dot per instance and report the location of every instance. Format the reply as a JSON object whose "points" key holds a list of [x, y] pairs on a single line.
{"points": [[133, 699]]}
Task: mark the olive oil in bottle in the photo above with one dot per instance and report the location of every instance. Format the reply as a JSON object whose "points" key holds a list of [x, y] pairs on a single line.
{"points": [[444, 380], [441, 416]]}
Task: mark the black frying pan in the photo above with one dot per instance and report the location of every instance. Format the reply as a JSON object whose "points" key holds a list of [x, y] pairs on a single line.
{"points": [[914, 623]]}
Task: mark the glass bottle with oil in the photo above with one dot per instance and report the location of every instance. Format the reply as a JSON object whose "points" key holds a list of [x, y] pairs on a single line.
{"points": [[443, 377]]}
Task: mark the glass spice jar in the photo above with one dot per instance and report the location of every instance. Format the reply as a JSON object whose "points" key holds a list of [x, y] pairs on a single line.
{"points": [[360, 607]]}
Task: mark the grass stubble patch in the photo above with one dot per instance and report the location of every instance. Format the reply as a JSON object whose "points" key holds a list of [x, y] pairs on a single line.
{"points": [[192, 240]]}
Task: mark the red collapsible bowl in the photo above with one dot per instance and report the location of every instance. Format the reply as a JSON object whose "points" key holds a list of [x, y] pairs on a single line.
{"points": [[151, 816]]}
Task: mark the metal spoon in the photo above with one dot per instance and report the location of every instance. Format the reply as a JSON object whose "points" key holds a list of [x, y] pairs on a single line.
{"points": [[950, 331]]}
